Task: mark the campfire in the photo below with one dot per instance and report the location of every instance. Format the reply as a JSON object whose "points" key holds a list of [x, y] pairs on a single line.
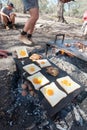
{"points": [[69, 47], [30, 105]]}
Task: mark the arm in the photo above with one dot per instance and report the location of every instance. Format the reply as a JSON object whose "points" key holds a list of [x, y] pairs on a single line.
{"points": [[4, 14]]}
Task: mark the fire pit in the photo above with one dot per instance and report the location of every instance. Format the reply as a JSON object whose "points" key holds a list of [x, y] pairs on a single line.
{"points": [[31, 110], [69, 46]]}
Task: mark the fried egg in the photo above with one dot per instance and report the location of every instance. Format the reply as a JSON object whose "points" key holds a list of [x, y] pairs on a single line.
{"points": [[52, 93], [38, 80], [68, 84], [49, 92], [43, 63], [31, 68], [22, 52]]}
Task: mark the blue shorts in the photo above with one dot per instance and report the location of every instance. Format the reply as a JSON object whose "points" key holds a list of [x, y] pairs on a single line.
{"points": [[28, 4]]}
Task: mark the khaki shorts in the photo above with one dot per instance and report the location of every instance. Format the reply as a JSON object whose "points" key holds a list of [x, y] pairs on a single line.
{"points": [[28, 4]]}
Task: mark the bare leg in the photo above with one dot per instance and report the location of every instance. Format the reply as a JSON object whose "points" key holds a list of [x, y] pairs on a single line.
{"points": [[12, 17], [28, 29], [30, 24], [4, 19]]}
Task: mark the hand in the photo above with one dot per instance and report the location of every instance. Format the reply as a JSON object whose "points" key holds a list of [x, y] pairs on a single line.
{"points": [[13, 14]]}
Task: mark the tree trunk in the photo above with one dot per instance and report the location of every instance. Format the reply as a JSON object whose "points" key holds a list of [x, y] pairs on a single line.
{"points": [[60, 12]]}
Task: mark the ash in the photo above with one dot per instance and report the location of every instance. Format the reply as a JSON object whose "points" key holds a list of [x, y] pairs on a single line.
{"points": [[27, 108], [73, 117], [26, 112]]}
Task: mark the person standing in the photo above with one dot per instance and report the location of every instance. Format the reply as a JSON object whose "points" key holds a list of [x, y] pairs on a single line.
{"points": [[33, 8], [8, 16]]}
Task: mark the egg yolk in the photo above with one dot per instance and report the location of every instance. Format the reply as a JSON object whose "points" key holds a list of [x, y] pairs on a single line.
{"points": [[22, 53], [66, 82], [31, 69], [49, 92], [42, 62], [37, 80]]}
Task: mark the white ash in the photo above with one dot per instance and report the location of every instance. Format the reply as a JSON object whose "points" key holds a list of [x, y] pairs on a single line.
{"points": [[71, 69]]}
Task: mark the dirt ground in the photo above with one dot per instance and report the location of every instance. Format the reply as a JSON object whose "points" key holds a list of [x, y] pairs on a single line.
{"points": [[45, 31]]}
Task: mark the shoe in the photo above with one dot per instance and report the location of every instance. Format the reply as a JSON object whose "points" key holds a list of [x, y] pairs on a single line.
{"points": [[24, 39], [13, 27], [7, 28]]}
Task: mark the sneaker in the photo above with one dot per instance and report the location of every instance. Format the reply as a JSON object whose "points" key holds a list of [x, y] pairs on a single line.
{"points": [[13, 27], [24, 39], [7, 28]]}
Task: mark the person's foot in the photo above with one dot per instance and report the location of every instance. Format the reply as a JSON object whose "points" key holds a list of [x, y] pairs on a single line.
{"points": [[25, 40], [7, 28]]}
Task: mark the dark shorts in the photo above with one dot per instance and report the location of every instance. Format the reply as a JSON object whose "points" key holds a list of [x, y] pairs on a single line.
{"points": [[28, 4], [9, 23]]}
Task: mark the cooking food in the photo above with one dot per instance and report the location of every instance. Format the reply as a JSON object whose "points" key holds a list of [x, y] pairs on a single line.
{"points": [[66, 52], [24, 93], [31, 68], [38, 80], [52, 71], [43, 63], [67, 44], [52, 93], [22, 52], [24, 86], [79, 45], [68, 84], [35, 57]]}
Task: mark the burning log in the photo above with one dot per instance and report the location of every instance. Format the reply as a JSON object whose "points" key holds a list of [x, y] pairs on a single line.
{"points": [[65, 52]]}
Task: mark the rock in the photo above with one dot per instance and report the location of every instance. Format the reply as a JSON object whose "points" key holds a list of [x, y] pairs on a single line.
{"points": [[7, 64]]}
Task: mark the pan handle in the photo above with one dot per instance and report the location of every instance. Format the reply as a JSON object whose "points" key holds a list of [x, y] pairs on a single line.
{"points": [[63, 36]]}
